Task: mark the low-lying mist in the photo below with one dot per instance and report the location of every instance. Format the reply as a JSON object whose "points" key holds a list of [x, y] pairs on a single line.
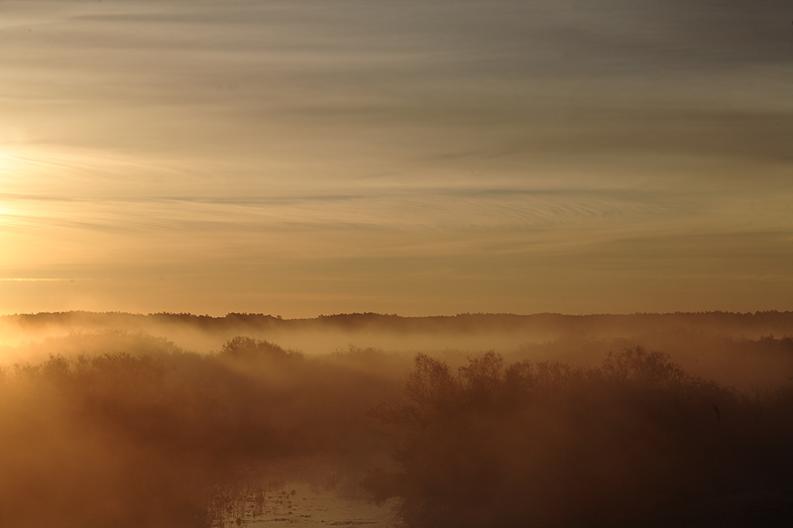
{"points": [[746, 351], [157, 436], [183, 421]]}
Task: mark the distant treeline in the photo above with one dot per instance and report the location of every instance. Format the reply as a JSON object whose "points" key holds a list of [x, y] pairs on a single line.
{"points": [[777, 323]]}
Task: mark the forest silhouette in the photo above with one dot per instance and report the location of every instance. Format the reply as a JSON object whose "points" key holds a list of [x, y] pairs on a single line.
{"points": [[129, 429]]}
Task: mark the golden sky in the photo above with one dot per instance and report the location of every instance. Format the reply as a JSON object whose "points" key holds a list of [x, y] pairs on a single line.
{"points": [[396, 156]]}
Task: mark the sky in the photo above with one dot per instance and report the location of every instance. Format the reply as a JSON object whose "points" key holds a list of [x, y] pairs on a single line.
{"points": [[398, 156]]}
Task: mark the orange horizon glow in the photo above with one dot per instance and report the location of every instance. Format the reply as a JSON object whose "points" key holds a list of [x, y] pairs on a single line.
{"points": [[300, 161]]}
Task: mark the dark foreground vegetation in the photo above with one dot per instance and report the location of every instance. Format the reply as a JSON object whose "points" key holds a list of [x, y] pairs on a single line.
{"points": [[634, 442], [153, 436], [162, 438]]}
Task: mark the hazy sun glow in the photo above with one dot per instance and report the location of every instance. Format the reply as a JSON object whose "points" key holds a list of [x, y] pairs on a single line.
{"points": [[413, 157], [307, 246]]}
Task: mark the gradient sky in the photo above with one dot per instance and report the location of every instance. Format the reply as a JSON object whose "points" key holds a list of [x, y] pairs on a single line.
{"points": [[316, 156]]}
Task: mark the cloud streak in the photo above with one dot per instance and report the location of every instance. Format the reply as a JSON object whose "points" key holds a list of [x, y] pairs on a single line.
{"points": [[296, 136]]}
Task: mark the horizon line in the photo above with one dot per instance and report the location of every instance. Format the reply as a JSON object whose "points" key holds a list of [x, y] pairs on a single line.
{"points": [[231, 315]]}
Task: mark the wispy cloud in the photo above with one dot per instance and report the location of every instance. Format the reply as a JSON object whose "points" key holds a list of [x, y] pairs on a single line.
{"points": [[34, 279], [476, 139]]}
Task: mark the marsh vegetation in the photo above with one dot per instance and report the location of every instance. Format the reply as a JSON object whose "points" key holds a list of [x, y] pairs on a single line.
{"points": [[126, 428]]}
